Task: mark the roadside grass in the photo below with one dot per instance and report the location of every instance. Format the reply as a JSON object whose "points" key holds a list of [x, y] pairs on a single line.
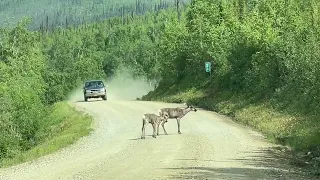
{"points": [[300, 133], [63, 126]]}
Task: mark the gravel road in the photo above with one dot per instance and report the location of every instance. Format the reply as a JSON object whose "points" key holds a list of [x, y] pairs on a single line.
{"points": [[210, 147]]}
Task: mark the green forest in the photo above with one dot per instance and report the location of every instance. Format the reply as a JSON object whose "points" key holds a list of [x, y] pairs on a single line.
{"points": [[264, 54]]}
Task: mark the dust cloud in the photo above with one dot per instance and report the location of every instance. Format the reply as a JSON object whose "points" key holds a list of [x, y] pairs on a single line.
{"points": [[76, 95], [122, 86]]}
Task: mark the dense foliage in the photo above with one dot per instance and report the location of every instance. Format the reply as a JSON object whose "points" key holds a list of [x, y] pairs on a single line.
{"points": [[39, 69], [265, 49], [30, 83]]}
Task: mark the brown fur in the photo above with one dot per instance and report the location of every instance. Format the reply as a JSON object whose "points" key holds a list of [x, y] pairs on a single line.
{"points": [[152, 119], [174, 113]]}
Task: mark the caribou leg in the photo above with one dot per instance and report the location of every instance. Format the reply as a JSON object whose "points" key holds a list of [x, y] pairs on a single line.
{"points": [[143, 129], [158, 125], [162, 124], [154, 130], [178, 122]]}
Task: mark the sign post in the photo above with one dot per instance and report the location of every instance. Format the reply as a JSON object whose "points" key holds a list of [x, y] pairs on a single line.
{"points": [[207, 66]]}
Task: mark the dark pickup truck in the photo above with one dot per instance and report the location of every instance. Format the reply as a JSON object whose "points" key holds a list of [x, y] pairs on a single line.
{"points": [[94, 89]]}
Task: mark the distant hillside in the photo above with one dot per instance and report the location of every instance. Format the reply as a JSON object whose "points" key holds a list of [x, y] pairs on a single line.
{"points": [[54, 13]]}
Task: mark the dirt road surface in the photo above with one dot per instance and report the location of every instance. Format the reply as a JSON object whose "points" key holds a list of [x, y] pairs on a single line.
{"points": [[210, 147]]}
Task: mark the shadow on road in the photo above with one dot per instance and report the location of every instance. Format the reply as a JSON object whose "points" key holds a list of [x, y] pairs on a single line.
{"points": [[134, 139], [265, 164], [220, 173], [139, 138], [96, 100]]}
